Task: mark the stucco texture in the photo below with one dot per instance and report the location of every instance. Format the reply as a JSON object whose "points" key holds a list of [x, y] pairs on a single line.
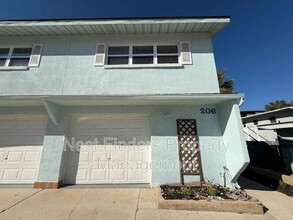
{"points": [[67, 68], [164, 145]]}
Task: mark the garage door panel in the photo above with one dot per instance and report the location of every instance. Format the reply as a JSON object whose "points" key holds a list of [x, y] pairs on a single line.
{"points": [[135, 175], [84, 157], [99, 175], [119, 124], [28, 174], [117, 175], [2, 154], [135, 156], [99, 156], [136, 124], [21, 141], [10, 174], [82, 174], [109, 160], [32, 157], [14, 156], [118, 155]]}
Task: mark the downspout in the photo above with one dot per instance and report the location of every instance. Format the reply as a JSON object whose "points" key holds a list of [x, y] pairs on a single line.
{"points": [[241, 101]]}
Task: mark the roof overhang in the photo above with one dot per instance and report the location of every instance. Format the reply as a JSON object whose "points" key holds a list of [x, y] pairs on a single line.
{"points": [[63, 100], [210, 25], [286, 111]]}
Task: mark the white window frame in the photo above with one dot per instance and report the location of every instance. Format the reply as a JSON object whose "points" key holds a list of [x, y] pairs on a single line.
{"points": [[154, 55], [9, 57]]}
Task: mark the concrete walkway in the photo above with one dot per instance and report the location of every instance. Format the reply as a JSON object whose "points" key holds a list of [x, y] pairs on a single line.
{"points": [[110, 204], [278, 204]]}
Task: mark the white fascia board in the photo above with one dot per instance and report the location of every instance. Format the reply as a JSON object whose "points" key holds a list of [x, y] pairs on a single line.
{"points": [[266, 113], [159, 96], [113, 22]]}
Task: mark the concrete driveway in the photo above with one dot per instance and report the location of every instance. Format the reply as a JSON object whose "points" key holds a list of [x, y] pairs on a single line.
{"points": [[100, 204]]}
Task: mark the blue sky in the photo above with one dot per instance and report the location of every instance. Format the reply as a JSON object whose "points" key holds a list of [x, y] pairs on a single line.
{"points": [[256, 48]]}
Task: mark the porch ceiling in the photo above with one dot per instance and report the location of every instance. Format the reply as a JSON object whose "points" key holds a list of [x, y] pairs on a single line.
{"points": [[188, 99]]}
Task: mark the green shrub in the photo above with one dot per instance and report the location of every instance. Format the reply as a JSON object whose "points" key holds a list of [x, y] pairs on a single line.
{"points": [[186, 191], [225, 190], [212, 191]]}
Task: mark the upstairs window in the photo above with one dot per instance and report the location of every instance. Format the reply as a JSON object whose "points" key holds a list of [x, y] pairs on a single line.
{"points": [[167, 54], [125, 56], [118, 55], [14, 57], [142, 55]]}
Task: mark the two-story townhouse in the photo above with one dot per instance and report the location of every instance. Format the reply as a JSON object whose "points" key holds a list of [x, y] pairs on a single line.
{"points": [[116, 101]]}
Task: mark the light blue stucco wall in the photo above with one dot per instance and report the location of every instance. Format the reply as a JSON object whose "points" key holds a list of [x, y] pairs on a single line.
{"points": [[237, 157], [164, 138], [67, 68], [221, 141], [53, 154]]}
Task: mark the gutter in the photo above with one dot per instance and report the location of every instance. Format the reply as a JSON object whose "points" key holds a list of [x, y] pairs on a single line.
{"points": [[132, 96]]}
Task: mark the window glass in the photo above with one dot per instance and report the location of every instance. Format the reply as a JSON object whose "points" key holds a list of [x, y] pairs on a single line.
{"points": [[4, 52], [167, 59], [117, 60], [143, 50], [2, 62], [21, 52], [133, 55], [118, 50], [19, 61], [143, 60], [167, 49]]}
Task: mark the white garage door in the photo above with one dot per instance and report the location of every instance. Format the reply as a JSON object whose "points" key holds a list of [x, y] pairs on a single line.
{"points": [[21, 141], [109, 150]]}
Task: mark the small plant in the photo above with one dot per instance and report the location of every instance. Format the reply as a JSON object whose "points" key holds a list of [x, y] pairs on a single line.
{"points": [[186, 191], [282, 184], [170, 190], [212, 191], [225, 190]]}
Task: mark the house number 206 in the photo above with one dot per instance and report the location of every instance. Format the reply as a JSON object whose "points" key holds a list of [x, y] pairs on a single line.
{"points": [[208, 111]]}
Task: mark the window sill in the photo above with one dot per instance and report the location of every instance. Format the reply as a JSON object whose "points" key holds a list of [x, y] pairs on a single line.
{"points": [[139, 66], [11, 68]]}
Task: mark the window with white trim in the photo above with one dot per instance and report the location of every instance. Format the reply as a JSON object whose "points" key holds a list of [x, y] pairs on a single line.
{"points": [[126, 56], [15, 57], [142, 55]]}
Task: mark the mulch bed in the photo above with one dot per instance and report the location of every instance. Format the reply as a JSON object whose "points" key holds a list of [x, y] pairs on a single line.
{"points": [[203, 192], [286, 189]]}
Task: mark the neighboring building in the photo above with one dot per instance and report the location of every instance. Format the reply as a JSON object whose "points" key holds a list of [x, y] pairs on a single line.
{"points": [[269, 136], [135, 97], [252, 112]]}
